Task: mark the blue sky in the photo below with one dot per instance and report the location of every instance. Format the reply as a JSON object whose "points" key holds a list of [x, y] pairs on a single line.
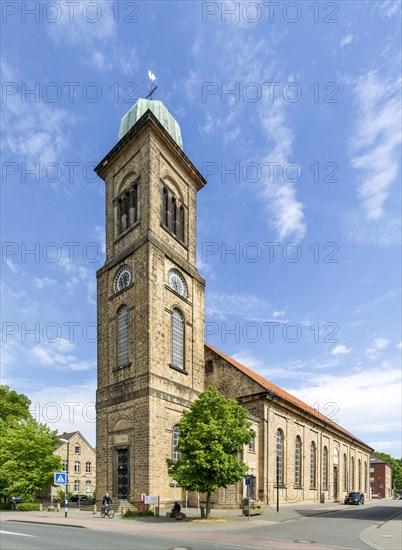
{"points": [[292, 112]]}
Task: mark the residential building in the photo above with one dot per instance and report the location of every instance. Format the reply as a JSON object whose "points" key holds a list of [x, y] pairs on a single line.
{"points": [[380, 477]]}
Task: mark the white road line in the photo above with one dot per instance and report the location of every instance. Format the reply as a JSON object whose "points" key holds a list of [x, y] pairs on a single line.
{"points": [[18, 534]]}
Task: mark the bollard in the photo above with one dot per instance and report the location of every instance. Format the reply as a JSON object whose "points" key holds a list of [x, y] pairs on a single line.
{"points": [[94, 512]]}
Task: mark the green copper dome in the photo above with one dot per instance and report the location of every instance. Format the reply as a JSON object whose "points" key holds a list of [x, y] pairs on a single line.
{"points": [[161, 113]]}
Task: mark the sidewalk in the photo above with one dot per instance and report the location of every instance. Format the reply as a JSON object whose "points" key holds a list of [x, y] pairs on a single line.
{"points": [[86, 518], [386, 535]]}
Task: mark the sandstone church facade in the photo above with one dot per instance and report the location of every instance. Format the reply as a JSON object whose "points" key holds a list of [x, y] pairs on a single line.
{"points": [[152, 359]]}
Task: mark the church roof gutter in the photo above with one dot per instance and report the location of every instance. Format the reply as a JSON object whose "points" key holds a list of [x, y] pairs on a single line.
{"points": [[149, 118]]}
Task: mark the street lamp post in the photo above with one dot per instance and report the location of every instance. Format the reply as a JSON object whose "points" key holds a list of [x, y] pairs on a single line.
{"points": [[67, 468]]}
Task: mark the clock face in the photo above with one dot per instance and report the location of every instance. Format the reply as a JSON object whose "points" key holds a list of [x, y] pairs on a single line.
{"points": [[123, 278], [177, 283]]}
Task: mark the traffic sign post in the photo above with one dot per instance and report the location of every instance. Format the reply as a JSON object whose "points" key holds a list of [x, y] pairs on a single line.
{"points": [[60, 478]]}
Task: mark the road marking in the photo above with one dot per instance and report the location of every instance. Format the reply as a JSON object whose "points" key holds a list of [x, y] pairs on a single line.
{"points": [[18, 534]]}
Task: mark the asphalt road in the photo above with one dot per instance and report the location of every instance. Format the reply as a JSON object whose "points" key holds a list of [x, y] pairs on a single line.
{"points": [[304, 528]]}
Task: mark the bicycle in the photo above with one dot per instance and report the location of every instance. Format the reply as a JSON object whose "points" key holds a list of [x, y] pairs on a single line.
{"points": [[107, 511]]}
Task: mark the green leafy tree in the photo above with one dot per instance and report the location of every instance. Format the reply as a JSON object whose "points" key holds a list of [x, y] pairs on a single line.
{"points": [[212, 435], [13, 405], [396, 464], [27, 462]]}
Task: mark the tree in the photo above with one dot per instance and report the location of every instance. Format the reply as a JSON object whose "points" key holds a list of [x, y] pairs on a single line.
{"points": [[13, 405], [212, 435], [27, 462], [396, 464]]}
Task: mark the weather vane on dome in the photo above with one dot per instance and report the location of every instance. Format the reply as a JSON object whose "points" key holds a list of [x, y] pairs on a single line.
{"points": [[153, 87]]}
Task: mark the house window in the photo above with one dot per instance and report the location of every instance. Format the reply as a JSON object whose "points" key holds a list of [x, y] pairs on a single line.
{"points": [[298, 464], [279, 457], [77, 467], [77, 450], [177, 339], [65, 465], [345, 472], [313, 464], [128, 208], [77, 485], [325, 469], [172, 214], [88, 487], [88, 468], [251, 445], [122, 337], [175, 442]]}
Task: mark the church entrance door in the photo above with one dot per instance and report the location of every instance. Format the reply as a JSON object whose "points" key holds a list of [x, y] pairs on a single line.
{"points": [[122, 474]]}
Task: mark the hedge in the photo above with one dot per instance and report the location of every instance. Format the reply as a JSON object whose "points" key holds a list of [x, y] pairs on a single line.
{"points": [[27, 507]]}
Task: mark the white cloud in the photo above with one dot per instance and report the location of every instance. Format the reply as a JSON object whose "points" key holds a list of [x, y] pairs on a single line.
{"points": [[66, 408], [399, 346], [378, 344], [341, 349], [383, 233], [375, 141], [390, 7], [356, 395], [346, 40], [59, 356], [279, 313], [11, 266], [83, 24], [43, 282], [35, 131], [221, 305]]}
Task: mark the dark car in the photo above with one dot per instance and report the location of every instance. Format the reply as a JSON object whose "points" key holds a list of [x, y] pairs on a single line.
{"points": [[354, 498], [76, 498], [16, 500]]}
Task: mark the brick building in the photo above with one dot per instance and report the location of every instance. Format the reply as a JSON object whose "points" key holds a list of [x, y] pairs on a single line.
{"points": [[380, 477], [152, 360], [79, 461]]}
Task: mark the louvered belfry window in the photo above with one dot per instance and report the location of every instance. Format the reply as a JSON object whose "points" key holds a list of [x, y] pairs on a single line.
{"points": [[173, 214], [177, 339]]}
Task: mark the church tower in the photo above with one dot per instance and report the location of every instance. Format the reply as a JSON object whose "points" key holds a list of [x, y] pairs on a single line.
{"points": [[150, 305]]}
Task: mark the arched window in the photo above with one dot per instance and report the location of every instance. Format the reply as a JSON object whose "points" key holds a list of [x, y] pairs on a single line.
{"points": [[77, 467], [298, 461], [77, 450], [177, 339], [325, 469], [77, 485], [279, 457], [88, 487], [352, 474], [122, 337], [313, 464], [345, 472], [175, 442], [359, 474]]}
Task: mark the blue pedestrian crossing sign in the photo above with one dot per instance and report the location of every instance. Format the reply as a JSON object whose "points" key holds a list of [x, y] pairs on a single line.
{"points": [[60, 478]]}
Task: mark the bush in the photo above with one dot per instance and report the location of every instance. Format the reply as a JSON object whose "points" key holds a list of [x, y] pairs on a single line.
{"points": [[138, 514], [5, 506], [27, 507], [132, 514]]}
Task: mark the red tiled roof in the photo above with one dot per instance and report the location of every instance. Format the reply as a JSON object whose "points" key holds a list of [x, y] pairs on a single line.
{"points": [[282, 393]]}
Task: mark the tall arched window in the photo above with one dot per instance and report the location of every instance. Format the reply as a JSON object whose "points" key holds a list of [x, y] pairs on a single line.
{"points": [[122, 336], [365, 477], [352, 474], [298, 461], [175, 442], [325, 469], [279, 457], [313, 464], [177, 339], [345, 472], [359, 474]]}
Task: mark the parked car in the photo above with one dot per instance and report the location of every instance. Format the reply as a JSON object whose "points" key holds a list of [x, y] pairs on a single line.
{"points": [[354, 498], [76, 498], [16, 500]]}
